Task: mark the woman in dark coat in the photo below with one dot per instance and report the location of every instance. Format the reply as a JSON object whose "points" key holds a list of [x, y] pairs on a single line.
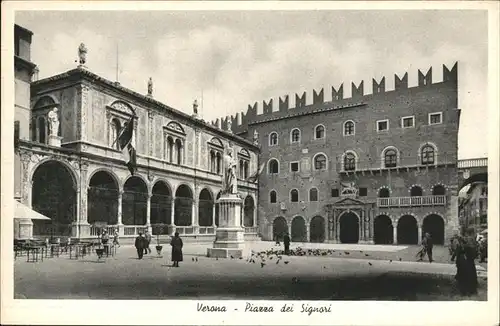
{"points": [[176, 244], [466, 253]]}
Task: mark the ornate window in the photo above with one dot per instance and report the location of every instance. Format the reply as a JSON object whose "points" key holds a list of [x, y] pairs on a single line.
{"points": [[114, 131], [273, 198], [349, 161], [320, 162], [295, 136], [273, 139], [438, 190], [216, 149], [384, 193], [319, 132], [349, 128], [174, 138], [313, 194], [118, 114], [273, 166], [294, 196], [390, 158], [415, 191], [427, 155], [244, 162]]}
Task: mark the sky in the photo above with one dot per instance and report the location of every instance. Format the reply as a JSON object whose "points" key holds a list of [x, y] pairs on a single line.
{"points": [[229, 59]]}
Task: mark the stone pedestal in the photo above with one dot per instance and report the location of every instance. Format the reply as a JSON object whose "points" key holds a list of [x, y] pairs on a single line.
{"points": [[55, 140], [24, 229], [230, 236], [80, 230]]}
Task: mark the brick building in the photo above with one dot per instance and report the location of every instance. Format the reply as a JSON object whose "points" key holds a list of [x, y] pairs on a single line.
{"points": [[373, 168], [79, 179]]}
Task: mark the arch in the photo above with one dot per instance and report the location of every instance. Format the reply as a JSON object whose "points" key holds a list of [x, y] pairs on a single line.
{"points": [[319, 132], [280, 227], [313, 195], [244, 152], [384, 192], [438, 190], [54, 195], [248, 211], [294, 196], [45, 101], [273, 197], [407, 231], [295, 136], [42, 132], [434, 225], [349, 128], [205, 208], [174, 125], [161, 207], [183, 205], [383, 230], [123, 107], [478, 177], [349, 227], [390, 157], [134, 201], [217, 142], [102, 197], [216, 221], [428, 153], [273, 138], [299, 230], [349, 160], [416, 191], [317, 229], [320, 162], [273, 166]]}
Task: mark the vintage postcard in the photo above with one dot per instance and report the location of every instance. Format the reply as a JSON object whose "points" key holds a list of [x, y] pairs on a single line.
{"points": [[293, 163]]}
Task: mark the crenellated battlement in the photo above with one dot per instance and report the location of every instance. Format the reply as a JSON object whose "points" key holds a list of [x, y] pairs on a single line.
{"points": [[338, 99]]}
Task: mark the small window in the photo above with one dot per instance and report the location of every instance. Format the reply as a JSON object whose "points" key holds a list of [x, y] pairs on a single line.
{"points": [[335, 192], [416, 191], [294, 167], [363, 192], [294, 196], [295, 136], [384, 193], [390, 158], [273, 139], [320, 162], [313, 194], [438, 190], [273, 197], [435, 118], [273, 167], [319, 132], [349, 128], [349, 162], [427, 155], [382, 125], [408, 122]]}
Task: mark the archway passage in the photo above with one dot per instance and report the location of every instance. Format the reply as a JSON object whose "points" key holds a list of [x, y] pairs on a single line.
{"points": [[317, 229], [349, 228], [280, 227], [183, 206], [205, 208], [248, 211], [299, 232], [434, 225], [161, 208], [134, 201], [383, 230], [407, 230], [102, 199], [54, 195]]}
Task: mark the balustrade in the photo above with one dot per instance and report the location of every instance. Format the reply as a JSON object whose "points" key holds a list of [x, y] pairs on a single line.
{"points": [[412, 201]]}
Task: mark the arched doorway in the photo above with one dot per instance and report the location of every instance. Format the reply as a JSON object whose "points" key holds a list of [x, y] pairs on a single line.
{"points": [[434, 225], [383, 230], [134, 201], [349, 228], [205, 208], [183, 206], [161, 208], [299, 232], [280, 227], [217, 209], [407, 230], [54, 195], [103, 199], [317, 229], [248, 211]]}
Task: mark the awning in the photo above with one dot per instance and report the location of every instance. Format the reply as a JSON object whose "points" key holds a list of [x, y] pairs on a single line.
{"points": [[23, 211]]}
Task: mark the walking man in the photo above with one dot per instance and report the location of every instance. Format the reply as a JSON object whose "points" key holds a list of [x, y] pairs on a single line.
{"points": [[429, 246], [286, 242], [147, 238], [140, 242]]}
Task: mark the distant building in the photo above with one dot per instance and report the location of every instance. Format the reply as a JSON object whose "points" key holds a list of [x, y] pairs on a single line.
{"points": [[373, 168], [474, 207], [76, 175]]}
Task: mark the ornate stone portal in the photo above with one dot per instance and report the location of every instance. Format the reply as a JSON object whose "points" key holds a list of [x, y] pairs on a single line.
{"points": [[229, 237]]}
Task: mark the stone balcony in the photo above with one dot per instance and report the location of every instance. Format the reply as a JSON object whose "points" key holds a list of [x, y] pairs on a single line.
{"points": [[411, 201]]}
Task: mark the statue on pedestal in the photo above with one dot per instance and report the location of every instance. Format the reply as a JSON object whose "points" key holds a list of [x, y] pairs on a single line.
{"points": [[195, 108], [229, 124], [255, 138], [82, 54], [229, 181], [150, 86], [53, 119]]}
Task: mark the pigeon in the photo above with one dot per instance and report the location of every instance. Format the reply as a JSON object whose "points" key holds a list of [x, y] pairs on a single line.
{"points": [[192, 258], [232, 257], [399, 259], [277, 262], [271, 257], [390, 260], [262, 265], [241, 257], [196, 259], [324, 266], [346, 252], [286, 262], [216, 258], [369, 263], [366, 255]]}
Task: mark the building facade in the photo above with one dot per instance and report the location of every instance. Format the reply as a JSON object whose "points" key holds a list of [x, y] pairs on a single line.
{"points": [[474, 207], [74, 172], [373, 168]]}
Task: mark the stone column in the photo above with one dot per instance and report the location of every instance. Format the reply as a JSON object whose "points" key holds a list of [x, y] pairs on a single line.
{"points": [[148, 213], [195, 216], [308, 232], [81, 227], [419, 234], [213, 215], [121, 230], [360, 226], [172, 217], [395, 234], [255, 215], [25, 226]]}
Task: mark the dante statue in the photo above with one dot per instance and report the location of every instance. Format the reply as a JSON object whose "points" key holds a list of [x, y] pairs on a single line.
{"points": [[53, 118], [256, 137], [82, 54], [229, 184], [150, 86]]}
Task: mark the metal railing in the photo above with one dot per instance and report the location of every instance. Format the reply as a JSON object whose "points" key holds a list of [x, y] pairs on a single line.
{"points": [[411, 201], [129, 230], [206, 230], [96, 231], [473, 163], [401, 162]]}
